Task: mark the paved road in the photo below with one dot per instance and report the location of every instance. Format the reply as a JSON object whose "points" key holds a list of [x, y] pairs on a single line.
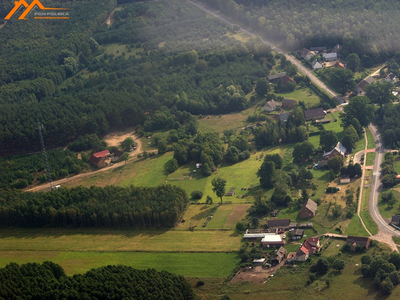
{"points": [[290, 58], [385, 230]]}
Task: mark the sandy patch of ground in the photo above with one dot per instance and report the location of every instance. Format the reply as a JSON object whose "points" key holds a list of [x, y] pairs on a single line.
{"points": [[116, 137], [256, 274]]}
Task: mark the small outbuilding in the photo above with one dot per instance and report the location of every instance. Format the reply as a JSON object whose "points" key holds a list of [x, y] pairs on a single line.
{"points": [[100, 159], [258, 262], [298, 234], [344, 179], [396, 220], [272, 240]]}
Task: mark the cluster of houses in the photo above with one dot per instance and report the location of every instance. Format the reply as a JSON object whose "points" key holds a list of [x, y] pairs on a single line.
{"points": [[360, 88], [329, 56]]}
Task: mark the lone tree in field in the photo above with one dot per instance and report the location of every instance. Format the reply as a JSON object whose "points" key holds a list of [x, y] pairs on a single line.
{"points": [[219, 187], [127, 144]]}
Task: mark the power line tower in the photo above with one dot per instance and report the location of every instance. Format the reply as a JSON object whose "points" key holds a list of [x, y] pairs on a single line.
{"points": [[44, 154]]}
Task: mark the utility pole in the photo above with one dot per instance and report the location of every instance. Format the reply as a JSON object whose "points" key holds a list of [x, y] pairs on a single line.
{"points": [[44, 154]]}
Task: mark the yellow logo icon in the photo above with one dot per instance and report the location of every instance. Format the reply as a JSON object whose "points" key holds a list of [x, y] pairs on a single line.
{"points": [[29, 7]]}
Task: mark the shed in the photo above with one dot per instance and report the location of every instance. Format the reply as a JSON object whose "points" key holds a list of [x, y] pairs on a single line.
{"points": [[259, 262], [281, 224], [396, 220], [298, 234], [344, 179]]}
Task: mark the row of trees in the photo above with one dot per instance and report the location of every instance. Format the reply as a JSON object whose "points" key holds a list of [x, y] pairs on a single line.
{"points": [[49, 281], [94, 207]]}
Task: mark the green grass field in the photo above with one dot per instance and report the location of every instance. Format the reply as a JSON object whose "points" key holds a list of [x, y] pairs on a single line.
{"points": [[371, 141], [303, 94], [370, 158], [397, 164], [336, 127], [365, 215], [388, 211], [98, 240], [356, 228], [186, 264]]}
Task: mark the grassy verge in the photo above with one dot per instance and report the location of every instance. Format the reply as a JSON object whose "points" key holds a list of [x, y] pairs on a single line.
{"points": [[360, 146], [365, 215], [186, 264], [396, 240], [356, 228], [370, 158], [371, 141]]}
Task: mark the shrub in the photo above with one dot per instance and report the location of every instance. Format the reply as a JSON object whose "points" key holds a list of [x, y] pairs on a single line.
{"points": [[196, 195], [200, 283]]}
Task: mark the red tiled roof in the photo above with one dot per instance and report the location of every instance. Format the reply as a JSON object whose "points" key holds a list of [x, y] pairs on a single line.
{"points": [[101, 154], [304, 249]]}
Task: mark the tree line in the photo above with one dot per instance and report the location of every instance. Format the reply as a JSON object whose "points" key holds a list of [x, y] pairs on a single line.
{"points": [[49, 281], [94, 207]]}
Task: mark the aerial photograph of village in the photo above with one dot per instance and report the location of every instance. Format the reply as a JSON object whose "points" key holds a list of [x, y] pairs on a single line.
{"points": [[199, 149]]}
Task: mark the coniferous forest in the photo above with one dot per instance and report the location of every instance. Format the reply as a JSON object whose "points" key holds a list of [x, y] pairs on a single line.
{"points": [[57, 73], [94, 207], [49, 281]]}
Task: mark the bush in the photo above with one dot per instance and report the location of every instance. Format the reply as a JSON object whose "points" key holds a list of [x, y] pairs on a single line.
{"points": [[196, 195], [200, 283]]}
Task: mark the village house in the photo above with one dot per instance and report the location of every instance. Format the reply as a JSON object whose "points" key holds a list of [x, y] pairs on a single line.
{"points": [[338, 150], [288, 103], [298, 234], [301, 255], [279, 223], [360, 88], [279, 256], [330, 56], [308, 210], [312, 245], [355, 241], [100, 159], [272, 240], [396, 220], [314, 114], [307, 54], [275, 77], [316, 65], [284, 117], [391, 78], [272, 105]]}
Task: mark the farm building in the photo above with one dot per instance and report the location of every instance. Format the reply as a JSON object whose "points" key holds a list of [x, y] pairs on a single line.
{"points": [[100, 159], [344, 179], [308, 210], [316, 65], [280, 224], [314, 114], [272, 240], [259, 262], [276, 77], [279, 256], [330, 56], [338, 150], [361, 86], [355, 241]]}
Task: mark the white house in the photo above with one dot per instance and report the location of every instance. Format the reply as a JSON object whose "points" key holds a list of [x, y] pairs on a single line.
{"points": [[316, 65]]}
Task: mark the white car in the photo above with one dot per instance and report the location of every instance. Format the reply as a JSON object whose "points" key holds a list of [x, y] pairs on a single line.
{"points": [[284, 236]]}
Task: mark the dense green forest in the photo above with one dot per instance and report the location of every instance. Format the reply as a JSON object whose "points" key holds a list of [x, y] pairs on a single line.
{"points": [[19, 171], [49, 281], [94, 207], [175, 60], [368, 27]]}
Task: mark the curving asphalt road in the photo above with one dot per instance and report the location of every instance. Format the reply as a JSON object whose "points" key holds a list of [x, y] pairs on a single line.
{"points": [[376, 186], [290, 58]]}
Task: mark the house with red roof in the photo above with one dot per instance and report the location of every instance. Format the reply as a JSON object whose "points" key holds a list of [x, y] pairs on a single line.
{"points": [[312, 245], [100, 159]]}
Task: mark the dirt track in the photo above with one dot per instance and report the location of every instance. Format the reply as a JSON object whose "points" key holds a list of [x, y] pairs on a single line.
{"points": [[133, 157]]}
